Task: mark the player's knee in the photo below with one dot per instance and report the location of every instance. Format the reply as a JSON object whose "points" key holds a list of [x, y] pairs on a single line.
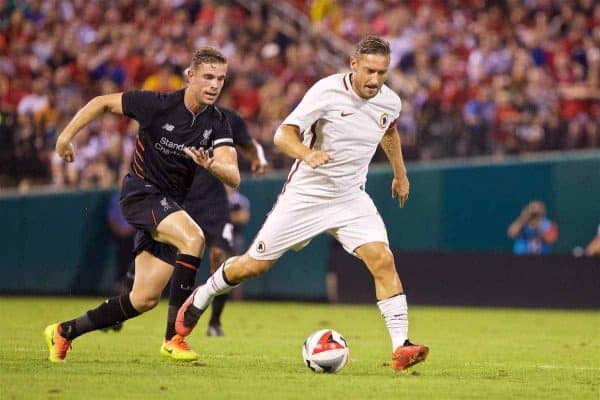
{"points": [[144, 303], [193, 242], [382, 265]]}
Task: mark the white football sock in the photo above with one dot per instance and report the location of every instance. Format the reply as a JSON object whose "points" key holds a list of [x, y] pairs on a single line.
{"points": [[214, 286], [395, 312]]}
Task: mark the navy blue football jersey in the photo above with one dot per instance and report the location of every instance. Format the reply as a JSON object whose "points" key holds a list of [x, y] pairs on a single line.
{"points": [[207, 196], [167, 126]]}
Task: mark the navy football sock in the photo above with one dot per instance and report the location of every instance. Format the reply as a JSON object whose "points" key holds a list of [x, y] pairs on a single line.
{"points": [[111, 312], [182, 284]]}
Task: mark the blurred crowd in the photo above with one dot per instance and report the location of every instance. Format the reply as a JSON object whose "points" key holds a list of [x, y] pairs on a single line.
{"points": [[484, 77], [56, 54], [476, 77]]}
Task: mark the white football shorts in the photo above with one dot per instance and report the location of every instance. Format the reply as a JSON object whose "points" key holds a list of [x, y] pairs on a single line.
{"points": [[295, 220]]}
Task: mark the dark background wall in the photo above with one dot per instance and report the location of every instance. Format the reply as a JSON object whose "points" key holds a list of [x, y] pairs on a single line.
{"points": [[479, 279], [59, 243]]}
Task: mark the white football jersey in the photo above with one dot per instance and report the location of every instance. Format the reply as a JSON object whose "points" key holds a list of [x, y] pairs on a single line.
{"points": [[333, 118]]}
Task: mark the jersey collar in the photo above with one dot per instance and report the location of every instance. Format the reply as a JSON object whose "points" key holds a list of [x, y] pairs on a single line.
{"points": [[347, 80]]}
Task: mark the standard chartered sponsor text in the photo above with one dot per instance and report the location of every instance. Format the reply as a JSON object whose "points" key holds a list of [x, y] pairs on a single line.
{"points": [[168, 147]]}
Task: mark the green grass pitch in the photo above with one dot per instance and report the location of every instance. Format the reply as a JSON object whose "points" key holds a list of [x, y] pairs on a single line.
{"points": [[475, 354]]}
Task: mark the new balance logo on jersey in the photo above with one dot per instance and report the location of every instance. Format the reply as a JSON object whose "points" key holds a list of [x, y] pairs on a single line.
{"points": [[205, 136], [168, 127], [165, 204]]}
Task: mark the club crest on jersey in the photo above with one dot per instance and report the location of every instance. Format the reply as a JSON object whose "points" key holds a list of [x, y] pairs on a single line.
{"points": [[165, 204], [205, 136], [383, 120], [261, 247]]}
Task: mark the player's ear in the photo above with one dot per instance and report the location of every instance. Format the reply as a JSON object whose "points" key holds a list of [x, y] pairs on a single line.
{"points": [[188, 73], [353, 62]]}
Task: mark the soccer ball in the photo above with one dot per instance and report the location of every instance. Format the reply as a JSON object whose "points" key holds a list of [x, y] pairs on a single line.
{"points": [[325, 351]]}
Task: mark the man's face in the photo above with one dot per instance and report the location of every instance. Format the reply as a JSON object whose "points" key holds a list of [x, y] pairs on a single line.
{"points": [[206, 81], [369, 72]]}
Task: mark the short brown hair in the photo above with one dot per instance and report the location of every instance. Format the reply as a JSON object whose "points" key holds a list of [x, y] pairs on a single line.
{"points": [[207, 55], [372, 44]]}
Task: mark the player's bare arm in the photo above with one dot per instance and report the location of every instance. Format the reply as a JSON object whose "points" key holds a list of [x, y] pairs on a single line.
{"points": [[287, 139], [391, 145], [593, 248], [223, 164], [92, 110], [517, 225], [254, 153]]}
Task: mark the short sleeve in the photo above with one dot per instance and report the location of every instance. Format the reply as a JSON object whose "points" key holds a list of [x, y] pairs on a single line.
{"points": [[313, 106], [397, 109], [140, 105], [222, 134]]}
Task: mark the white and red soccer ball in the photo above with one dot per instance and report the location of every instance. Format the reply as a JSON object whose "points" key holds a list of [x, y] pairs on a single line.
{"points": [[325, 351]]}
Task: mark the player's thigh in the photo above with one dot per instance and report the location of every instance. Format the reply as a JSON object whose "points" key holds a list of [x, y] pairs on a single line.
{"points": [[376, 256], [359, 223], [178, 229], [151, 276], [291, 224]]}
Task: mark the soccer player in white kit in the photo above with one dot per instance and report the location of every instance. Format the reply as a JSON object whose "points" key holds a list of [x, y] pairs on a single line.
{"points": [[342, 119]]}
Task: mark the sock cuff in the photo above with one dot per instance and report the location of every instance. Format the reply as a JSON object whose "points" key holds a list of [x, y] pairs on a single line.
{"points": [[188, 261], [126, 307], [225, 277], [218, 284], [391, 302]]}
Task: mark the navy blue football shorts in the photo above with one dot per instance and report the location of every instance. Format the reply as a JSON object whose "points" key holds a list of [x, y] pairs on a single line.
{"points": [[144, 206]]}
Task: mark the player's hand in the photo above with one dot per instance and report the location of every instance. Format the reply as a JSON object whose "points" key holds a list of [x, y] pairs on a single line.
{"points": [[401, 188], [64, 149], [258, 167], [199, 156], [316, 158]]}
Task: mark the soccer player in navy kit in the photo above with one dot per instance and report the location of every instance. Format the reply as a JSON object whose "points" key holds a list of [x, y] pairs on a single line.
{"points": [[207, 204], [175, 132]]}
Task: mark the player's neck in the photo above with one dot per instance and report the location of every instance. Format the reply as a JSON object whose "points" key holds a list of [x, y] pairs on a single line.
{"points": [[192, 104], [354, 88]]}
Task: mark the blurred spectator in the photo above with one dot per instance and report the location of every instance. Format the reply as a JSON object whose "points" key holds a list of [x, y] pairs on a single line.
{"points": [[479, 115], [593, 248], [532, 231], [36, 100], [163, 80]]}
